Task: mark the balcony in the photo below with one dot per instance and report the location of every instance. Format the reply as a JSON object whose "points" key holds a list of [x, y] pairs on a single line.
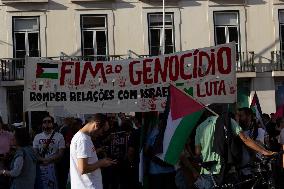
{"points": [[277, 60], [277, 63], [12, 69], [245, 62], [23, 1]]}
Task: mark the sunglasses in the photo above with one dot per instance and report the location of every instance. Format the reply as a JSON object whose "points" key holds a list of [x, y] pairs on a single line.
{"points": [[46, 121]]}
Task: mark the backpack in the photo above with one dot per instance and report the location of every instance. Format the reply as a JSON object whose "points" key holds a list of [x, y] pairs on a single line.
{"points": [[227, 145]]}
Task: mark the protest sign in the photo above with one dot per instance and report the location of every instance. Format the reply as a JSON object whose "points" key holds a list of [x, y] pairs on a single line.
{"points": [[130, 85]]}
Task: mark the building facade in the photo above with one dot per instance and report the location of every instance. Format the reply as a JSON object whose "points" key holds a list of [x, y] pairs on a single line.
{"points": [[110, 29]]}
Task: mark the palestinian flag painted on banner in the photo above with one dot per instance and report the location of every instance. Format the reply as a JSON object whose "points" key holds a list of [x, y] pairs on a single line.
{"points": [[47, 70], [184, 112], [255, 106]]}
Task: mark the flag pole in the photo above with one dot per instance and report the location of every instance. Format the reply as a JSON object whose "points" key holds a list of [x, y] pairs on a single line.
{"points": [[214, 113]]}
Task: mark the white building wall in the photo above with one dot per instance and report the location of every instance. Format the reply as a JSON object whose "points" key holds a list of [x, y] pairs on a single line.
{"points": [[265, 89], [128, 29]]}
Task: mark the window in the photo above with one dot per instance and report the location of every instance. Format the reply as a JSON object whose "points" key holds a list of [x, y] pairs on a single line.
{"points": [[226, 27], [155, 25], [94, 37], [26, 37], [281, 28]]}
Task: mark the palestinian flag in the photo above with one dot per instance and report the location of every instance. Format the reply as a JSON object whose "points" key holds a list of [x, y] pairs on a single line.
{"points": [[255, 106], [184, 112], [47, 70]]}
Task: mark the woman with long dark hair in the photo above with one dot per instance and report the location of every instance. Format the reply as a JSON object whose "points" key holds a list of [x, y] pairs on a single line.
{"points": [[23, 166]]}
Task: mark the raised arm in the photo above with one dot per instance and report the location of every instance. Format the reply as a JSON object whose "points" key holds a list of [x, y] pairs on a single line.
{"points": [[253, 145]]}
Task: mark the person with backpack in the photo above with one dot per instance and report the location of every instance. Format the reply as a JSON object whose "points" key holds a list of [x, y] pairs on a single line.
{"points": [[23, 167], [215, 140]]}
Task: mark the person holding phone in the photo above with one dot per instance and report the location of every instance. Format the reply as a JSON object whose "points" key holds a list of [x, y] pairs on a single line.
{"points": [[85, 168]]}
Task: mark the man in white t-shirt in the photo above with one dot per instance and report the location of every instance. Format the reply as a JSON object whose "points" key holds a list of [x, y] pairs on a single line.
{"points": [[49, 147], [85, 172]]}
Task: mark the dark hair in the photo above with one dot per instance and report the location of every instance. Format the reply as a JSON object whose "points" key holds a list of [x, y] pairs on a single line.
{"points": [[78, 121], [265, 116], [22, 137], [100, 120], [246, 110], [52, 119], [126, 125]]}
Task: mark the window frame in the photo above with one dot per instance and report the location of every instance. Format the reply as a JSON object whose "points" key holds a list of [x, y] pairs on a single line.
{"points": [[94, 29], [227, 26], [280, 36], [160, 28], [26, 32]]}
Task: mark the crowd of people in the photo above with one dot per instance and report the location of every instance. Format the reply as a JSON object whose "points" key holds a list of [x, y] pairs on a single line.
{"points": [[106, 151]]}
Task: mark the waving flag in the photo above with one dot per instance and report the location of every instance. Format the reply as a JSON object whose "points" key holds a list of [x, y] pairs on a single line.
{"points": [[184, 112], [255, 106]]}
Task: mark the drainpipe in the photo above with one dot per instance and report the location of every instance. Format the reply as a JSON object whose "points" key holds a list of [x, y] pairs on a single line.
{"points": [[45, 33], [246, 35]]}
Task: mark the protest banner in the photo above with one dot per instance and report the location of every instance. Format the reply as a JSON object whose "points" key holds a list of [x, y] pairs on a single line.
{"points": [[130, 85]]}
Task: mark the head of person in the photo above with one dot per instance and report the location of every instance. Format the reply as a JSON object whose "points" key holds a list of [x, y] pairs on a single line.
{"points": [[76, 125], [68, 121], [281, 123], [22, 137], [126, 125], [265, 118], [245, 117], [97, 125], [273, 117], [47, 123]]}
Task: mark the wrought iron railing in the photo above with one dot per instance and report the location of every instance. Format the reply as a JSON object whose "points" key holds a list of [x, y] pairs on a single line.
{"points": [[12, 69], [277, 60], [245, 62]]}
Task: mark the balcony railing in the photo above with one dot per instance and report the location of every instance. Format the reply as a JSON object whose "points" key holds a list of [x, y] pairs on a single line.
{"points": [[245, 62], [12, 69], [277, 60]]}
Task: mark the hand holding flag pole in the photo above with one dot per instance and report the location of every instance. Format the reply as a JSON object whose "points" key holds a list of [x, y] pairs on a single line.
{"points": [[183, 115]]}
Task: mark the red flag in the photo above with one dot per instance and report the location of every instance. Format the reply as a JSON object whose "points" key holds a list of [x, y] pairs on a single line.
{"points": [[182, 104]]}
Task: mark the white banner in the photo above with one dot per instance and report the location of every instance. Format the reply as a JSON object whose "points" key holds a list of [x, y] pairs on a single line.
{"points": [[131, 85]]}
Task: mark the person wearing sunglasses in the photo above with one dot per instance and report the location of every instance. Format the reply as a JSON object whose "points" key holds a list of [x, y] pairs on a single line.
{"points": [[49, 147]]}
